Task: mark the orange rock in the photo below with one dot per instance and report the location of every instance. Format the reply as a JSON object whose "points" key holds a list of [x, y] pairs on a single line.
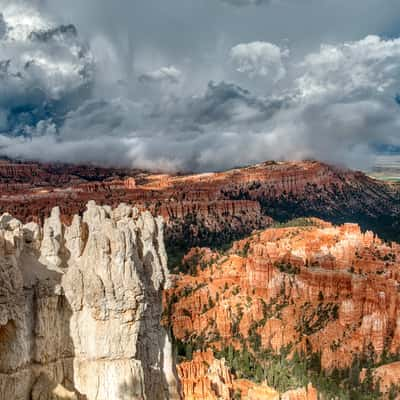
{"points": [[205, 378], [387, 375], [261, 392], [326, 289], [309, 393]]}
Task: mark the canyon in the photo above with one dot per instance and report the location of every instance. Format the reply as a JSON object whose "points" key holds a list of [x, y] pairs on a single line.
{"points": [[209, 208], [312, 291], [282, 282]]}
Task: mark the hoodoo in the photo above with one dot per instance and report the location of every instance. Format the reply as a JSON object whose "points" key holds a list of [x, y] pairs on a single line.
{"points": [[80, 308]]}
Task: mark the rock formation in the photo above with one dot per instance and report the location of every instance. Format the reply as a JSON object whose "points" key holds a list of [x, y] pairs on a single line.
{"points": [[80, 308], [387, 377], [207, 208], [328, 292], [206, 378], [321, 290]]}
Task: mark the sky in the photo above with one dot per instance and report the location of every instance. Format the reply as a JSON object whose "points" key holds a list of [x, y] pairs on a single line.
{"points": [[189, 85]]}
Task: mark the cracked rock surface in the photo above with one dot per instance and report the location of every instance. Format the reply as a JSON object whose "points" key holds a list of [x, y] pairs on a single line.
{"points": [[80, 308]]}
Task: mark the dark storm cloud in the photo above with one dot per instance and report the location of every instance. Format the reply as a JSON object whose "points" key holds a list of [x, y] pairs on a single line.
{"points": [[198, 85], [227, 103], [62, 32], [221, 106], [45, 70]]}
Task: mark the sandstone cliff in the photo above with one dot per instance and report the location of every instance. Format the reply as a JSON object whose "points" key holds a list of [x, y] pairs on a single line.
{"points": [[80, 308]]}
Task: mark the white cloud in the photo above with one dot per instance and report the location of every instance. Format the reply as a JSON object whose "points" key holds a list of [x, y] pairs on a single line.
{"points": [[259, 59], [22, 19], [168, 74], [352, 69]]}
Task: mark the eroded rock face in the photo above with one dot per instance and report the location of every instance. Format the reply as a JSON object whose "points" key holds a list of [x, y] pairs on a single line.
{"points": [[206, 378], [205, 209], [322, 289], [80, 308]]}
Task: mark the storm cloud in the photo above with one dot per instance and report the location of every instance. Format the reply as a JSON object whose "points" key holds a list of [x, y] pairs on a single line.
{"points": [[44, 70], [148, 85]]}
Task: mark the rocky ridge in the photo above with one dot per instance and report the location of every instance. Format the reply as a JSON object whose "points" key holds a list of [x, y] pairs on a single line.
{"points": [[214, 208], [80, 308]]}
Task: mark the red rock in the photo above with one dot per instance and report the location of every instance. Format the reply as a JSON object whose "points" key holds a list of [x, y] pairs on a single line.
{"points": [[206, 378], [339, 279], [228, 202]]}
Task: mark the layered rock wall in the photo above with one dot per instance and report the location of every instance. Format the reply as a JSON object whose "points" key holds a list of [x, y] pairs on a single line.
{"points": [[225, 205]]}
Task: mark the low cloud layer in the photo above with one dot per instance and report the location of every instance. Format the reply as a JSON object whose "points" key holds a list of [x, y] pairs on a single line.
{"points": [[92, 99]]}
